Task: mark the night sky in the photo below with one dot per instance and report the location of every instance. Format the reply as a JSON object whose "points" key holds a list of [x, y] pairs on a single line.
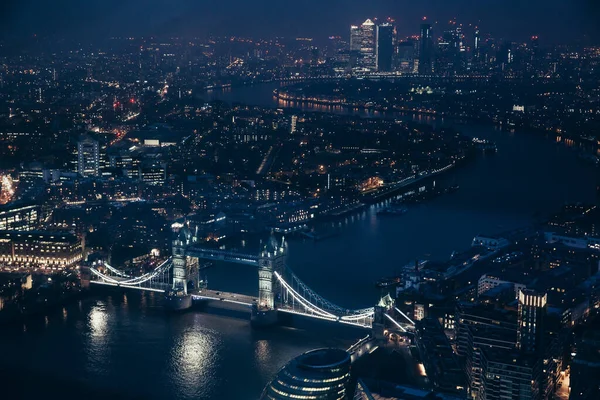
{"points": [[555, 21]]}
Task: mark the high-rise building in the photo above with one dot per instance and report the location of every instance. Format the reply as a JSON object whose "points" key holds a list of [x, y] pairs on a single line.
{"points": [[532, 311], [405, 58], [316, 374], [509, 375], [426, 49], [294, 121], [153, 173], [480, 327], [385, 47], [362, 43], [88, 157], [585, 368]]}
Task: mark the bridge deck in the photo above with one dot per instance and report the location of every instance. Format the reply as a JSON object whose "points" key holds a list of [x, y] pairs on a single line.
{"points": [[224, 296]]}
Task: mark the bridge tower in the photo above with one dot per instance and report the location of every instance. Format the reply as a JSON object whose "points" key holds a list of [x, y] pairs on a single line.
{"points": [[178, 297], [272, 259]]}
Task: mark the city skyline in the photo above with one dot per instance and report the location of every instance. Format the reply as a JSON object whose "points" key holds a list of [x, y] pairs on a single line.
{"points": [[386, 202], [554, 21]]}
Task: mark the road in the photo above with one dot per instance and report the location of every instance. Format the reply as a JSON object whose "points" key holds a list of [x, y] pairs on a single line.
{"points": [[562, 393]]}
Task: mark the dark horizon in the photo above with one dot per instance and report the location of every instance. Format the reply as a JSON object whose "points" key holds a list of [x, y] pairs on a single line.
{"points": [[554, 21]]}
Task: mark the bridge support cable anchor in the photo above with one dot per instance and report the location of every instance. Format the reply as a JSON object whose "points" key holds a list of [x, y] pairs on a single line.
{"points": [[137, 280]]}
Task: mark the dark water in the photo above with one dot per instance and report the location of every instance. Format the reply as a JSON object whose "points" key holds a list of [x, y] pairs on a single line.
{"points": [[128, 345]]}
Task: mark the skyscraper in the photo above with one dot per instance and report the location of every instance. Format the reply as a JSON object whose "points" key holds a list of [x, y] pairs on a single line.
{"points": [[88, 157], [405, 60], [426, 49], [385, 48], [362, 42], [532, 310]]}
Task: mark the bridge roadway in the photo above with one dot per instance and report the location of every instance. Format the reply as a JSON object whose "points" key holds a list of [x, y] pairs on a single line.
{"points": [[227, 297], [247, 301]]}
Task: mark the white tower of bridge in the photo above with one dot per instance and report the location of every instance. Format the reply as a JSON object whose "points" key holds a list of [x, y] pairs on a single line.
{"points": [[272, 258]]}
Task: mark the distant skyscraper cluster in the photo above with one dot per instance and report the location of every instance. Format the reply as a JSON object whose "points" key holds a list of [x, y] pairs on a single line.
{"points": [[451, 50]]}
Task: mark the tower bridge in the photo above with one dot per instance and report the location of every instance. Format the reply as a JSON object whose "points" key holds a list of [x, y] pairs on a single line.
{"points": [[279, 289]]}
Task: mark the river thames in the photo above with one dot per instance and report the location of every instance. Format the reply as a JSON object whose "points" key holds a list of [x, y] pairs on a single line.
{"points": [[126, 345]]}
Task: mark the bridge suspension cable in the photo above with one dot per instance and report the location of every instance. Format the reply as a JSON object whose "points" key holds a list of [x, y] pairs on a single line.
{"points": [[138, 280], [333, 311], [395, 322], [327, 305], [116, 271], [305, 303], [404, 315]]}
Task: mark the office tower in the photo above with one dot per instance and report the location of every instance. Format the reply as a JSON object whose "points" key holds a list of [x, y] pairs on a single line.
{"points": [[293, 123], [405, 59], [316, 374], [88, 157], [505, 55], [535, 44], [478, 328], [509, 375], [385, 47], [153, 173], [532, 311], [585, 368], [426, 49], [362, 43]]}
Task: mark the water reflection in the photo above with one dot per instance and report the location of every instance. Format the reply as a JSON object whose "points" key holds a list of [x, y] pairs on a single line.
{"points": [[192, 362], [263, 354], [98, 321]]}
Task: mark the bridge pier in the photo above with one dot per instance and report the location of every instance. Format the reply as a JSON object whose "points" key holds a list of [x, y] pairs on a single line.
{"points": [[263, 317]]}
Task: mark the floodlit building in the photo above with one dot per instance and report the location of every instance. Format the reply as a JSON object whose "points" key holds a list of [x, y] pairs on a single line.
{"points": [[36, 249], [19, 217]]}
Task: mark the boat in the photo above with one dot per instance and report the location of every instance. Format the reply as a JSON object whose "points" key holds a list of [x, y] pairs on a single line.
{"points": [[452, 189], [485, 145], [320, 235], [392, 210], [388, 282]]}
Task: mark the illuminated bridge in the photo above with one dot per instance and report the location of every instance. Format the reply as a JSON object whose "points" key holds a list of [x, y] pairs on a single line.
{"points": [[279, 289]]}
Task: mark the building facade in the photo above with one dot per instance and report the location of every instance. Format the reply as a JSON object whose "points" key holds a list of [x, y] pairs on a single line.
{"points": [[532, 310], [316, 374], [88, 157], [35, 249], [384, 51], [362, 43], [19, 217], [426, 55]]}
